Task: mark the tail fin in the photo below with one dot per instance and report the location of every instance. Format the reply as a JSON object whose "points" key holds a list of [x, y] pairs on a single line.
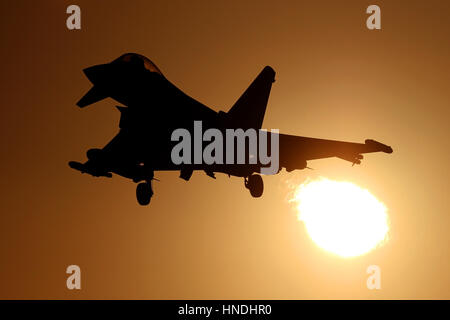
{"points": [[248, 111]]}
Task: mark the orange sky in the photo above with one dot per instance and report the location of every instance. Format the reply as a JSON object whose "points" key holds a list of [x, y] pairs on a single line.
{"points": [[335, 79]]}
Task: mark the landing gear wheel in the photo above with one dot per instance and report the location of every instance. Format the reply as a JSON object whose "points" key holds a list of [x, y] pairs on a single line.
{"points": [[144, 193], [255, 184]]}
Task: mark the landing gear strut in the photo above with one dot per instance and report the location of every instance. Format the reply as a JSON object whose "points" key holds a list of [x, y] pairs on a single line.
{"points": [[255, 184], [144, 193]]}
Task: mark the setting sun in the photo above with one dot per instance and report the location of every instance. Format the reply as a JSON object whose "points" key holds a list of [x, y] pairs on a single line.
{"points": [[341, 217]]}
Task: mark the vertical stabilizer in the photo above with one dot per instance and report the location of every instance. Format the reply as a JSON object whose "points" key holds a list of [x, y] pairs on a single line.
{"points": [[249, 110]]}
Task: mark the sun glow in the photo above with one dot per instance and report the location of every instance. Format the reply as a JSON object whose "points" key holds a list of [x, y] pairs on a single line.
{"points": [[341, 217]]}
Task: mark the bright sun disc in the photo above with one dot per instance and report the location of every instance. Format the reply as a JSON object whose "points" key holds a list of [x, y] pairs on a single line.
{"points": [[341, 217]]}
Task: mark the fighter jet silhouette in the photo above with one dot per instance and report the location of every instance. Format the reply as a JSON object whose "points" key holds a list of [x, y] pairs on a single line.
{"points": [[155, 108]]}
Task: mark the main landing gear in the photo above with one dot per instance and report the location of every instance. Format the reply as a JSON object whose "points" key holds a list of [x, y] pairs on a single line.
{"points": [[255, 184], [144, 193]]}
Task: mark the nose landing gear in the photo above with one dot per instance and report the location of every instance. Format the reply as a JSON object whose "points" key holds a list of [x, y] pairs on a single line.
{"points": [[255, 184]]}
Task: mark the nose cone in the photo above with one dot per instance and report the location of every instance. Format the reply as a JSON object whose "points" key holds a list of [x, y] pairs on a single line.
{"points": [[98, 74]]}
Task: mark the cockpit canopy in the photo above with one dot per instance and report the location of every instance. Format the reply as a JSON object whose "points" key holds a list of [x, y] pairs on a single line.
{"points": [[135, 57]]}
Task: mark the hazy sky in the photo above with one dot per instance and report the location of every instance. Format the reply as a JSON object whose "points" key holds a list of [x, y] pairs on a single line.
{"points": [[209, 238]]}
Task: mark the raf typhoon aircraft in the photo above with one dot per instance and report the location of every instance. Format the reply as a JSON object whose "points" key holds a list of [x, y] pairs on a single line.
{"points": [[152, 108]]}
